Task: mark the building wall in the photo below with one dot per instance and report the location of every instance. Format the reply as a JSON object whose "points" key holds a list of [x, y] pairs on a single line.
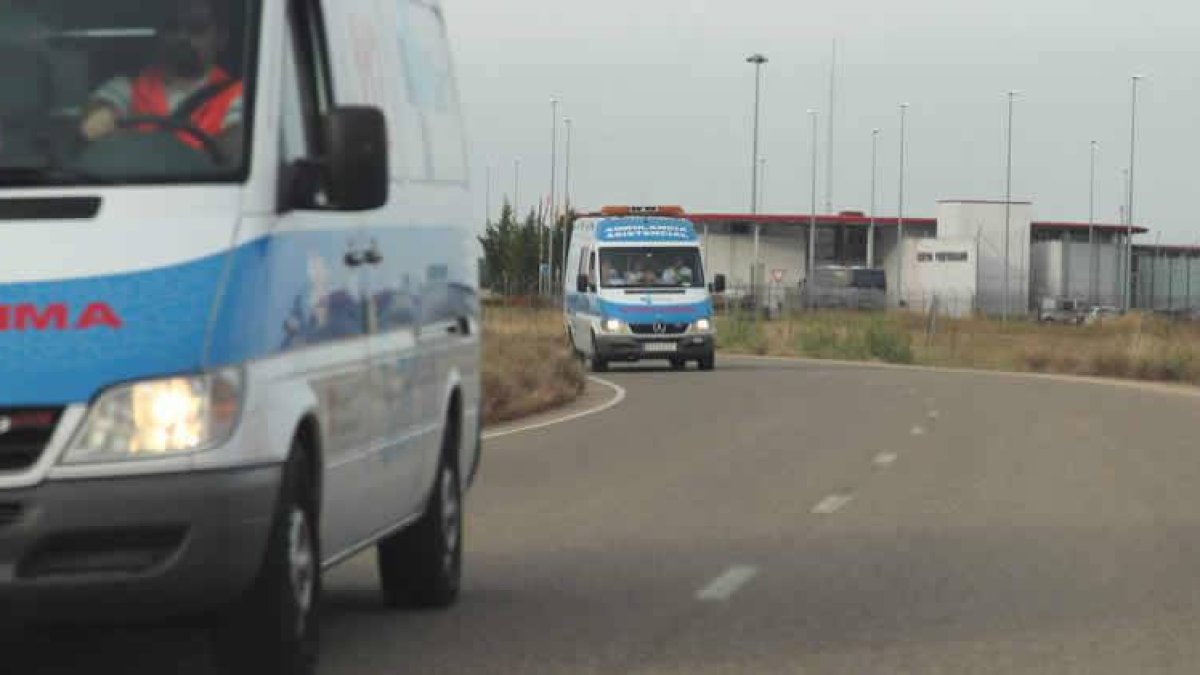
{"points": [[985, 223], [942, 273], [1061, 268], [1167, 281]]}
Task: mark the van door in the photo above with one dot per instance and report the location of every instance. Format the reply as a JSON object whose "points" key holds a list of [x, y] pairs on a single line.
{"points": [[393, 306], [581, 317], [329, 342]]}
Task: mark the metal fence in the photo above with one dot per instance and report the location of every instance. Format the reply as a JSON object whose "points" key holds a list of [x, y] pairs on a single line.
{"points": [[774, 300]]}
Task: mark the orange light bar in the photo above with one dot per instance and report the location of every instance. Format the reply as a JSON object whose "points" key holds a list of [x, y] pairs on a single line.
{"points": [[619, 211]]}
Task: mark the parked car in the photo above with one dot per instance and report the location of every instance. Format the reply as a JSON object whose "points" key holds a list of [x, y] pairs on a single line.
{"points": [[1062, 310]]}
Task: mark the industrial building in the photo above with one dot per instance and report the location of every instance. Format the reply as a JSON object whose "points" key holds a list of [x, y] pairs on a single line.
{"points": [[956, 259]]}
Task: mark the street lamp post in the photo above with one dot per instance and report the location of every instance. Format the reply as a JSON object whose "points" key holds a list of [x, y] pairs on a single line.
{"points": [[487, 200], [568, 124], [1129, 201], [1012, 95], [874, 174], [547, 247], [900, 216], [1093, 260], [516, 189], [762, 183], [812, 215]]}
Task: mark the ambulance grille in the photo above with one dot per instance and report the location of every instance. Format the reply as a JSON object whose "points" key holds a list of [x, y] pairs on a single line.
{"points": [[24, 435]]}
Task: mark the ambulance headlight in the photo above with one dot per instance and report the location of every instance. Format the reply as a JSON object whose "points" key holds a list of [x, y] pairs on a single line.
{"points": [[702, 326], [612, 326], [160, 417]]}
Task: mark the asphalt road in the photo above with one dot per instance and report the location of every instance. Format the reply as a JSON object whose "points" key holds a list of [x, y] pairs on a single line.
{"points": [[798, 518]]}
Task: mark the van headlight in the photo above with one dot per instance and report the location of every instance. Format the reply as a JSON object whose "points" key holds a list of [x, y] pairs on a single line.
{"points": [[612, 326], [160, 417], [702, 326]]}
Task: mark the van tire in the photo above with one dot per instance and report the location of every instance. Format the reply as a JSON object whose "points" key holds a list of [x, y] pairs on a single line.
{"points": [[678, 364], [599, 363], [420, 566], [272, 629], [708, 363]]}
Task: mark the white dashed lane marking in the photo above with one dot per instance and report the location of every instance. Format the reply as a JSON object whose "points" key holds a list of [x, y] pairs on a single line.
{"points": [[832, 504], [885, 459], [723, 587]]}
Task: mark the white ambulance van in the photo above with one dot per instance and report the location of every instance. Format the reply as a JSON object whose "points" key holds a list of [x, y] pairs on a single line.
{"points": [[637, 290], [238, 312]]}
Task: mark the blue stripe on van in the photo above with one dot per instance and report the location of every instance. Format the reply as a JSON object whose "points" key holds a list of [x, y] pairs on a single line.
{"points": [[646, 312], [280, 293]]}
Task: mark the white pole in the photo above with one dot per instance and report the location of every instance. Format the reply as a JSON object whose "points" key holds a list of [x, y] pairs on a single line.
{"points": [[547, 241], [1129, 202], [517, 189], [566, 197], [758, 60], [487, 209], [1008, 207], [829, 142], [1093, 288], [874, 173], [812, 216], [900, 215]]}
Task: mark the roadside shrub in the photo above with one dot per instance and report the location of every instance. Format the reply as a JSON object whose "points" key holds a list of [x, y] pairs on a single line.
{"points": [[888, 342]]}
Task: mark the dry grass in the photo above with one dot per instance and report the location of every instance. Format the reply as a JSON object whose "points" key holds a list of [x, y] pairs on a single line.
{"points": [[527, 366], [1134, 347]]}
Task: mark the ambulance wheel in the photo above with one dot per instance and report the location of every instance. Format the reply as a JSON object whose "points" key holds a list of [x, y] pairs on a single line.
{"points": [[599, 363], [678, 364], [273, 628], [421, 566], [708, 362]]}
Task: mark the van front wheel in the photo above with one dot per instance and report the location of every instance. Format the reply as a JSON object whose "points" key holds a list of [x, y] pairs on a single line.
{"points": [[272, 630]]}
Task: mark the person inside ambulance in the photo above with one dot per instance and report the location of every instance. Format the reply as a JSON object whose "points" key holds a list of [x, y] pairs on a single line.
{"points": [[183, 92]]}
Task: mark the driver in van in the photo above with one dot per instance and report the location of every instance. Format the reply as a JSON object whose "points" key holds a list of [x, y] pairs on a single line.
{"points": [[185, 73]]}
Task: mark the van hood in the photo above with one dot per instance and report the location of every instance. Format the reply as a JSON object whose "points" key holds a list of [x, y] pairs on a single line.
{"points": [[121, 296]]}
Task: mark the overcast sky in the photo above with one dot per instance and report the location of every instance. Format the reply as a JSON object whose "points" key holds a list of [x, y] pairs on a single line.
{"points": [[661, 99]]}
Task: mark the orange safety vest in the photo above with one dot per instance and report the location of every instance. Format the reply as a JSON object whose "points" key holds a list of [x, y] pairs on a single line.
{"points": [[150, 98]]}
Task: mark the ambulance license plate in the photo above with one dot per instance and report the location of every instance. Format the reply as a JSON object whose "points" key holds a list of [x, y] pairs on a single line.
{"points": [[660, 347]]}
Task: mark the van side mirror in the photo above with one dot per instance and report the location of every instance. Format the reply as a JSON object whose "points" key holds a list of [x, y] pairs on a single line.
{"points": [[356, 162], [718, 285], [583, 284]]}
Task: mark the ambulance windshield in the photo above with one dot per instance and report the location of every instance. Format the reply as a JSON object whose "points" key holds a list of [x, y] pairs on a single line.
{"points": [[124, 91]]}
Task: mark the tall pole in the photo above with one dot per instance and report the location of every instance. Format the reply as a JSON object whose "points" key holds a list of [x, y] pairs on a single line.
{"points": [[762, 183], [829, 141], [487, 200], [1008, 207], [516, 205], [758, 60], [566, 195], [900, 216], [1093, 289], [1129, 201], [812, 216], [548, 232], [874, 174]]}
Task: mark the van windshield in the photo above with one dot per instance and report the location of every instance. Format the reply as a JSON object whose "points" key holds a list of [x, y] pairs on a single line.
{"points": [[651, 267], [125, 91]]}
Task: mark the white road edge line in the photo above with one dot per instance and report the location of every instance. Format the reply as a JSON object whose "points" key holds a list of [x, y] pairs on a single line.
{"points": [[885, 459], [832, 504], [723, 587], [619, 394]]}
